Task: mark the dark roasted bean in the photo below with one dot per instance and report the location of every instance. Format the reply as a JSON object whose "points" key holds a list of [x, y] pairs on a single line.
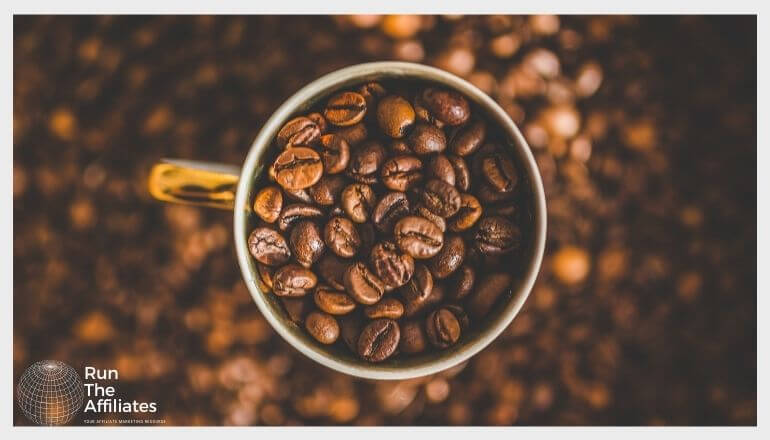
{"points": [[468, 139], [379, 340], [358, 201], [327, 191], [332, 270], [468, 214], [418, 237], [462, 173], [363, 285], [293, 280], [268, 247], [487, 292], [391, 265], [401, 172], [442, 328], [335, 153], [391, 208], [449, 258], [447, 106], [461, 283], [497, 235], [306, 243], [296, 212], [341, 237], [441, 198], [413, 339], [426, 139]]}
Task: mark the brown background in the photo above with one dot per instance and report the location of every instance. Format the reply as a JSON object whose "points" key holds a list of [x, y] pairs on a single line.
{"points": [[644, 311]]}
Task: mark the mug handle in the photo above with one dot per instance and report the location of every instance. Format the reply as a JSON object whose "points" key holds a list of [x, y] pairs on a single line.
{"points": [[192, 182]]}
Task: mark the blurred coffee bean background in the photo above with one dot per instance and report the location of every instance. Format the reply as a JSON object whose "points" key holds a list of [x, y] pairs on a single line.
{"points": [[644, 129]]}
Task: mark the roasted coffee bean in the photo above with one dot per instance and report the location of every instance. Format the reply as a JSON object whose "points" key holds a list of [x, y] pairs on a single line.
{"points": [[333, 302], [353, 135], [401, 172], [296, 212], [459, 312], [372, 92], [441, 198], [350, 328], [298, 308], [426, 139], [497, 235], [391, 265], [391, 208], [379, 340], [341, 237], [298, 195], [363, 285], [447, 106], [327, 191], [468, 214], [419, 286], [487, 194], [345, 109], [449, 258], [461, 283], [297, 168], [265, 279], [335, 153], [323, 327], [268, 247], [293, 280], [468, 139], [366, 161], [488, 290], [437, 220], [268, 203], [298, 131], [319, 120], [441, 168], [390, 308], [358, 201], [395, 116], [420, 305], [500, 173], [461, 171], [413, 339], [442, 328], [306, 243], [418, 237], [332, 270]]}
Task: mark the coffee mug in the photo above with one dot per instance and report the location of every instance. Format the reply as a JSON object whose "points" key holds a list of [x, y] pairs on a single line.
{"points": [[231, 188]]}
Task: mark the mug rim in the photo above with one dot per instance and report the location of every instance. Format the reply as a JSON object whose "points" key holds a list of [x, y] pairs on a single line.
{"points": [[262, 143]]}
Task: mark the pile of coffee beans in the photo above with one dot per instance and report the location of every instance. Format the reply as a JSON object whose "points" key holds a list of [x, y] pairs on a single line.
{"points": [[391, 219]]}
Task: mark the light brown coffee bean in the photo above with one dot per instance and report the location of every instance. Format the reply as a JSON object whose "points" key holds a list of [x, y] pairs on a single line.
{"points": [[379, 340], [323, 327], [395, 116], [468, 214], [358, 201], [332, 301], [342, 237], [390, 308], [345, 109], [268, 247], [297, 132], [363, 285], [298, 168], [268, 203], [335, 153]]}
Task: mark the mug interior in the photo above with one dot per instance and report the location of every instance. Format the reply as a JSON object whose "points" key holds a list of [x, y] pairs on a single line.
{"points": [[339, 358]]}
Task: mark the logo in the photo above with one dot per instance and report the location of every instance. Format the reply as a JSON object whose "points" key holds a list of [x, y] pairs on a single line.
{"points": [[50, 393]]}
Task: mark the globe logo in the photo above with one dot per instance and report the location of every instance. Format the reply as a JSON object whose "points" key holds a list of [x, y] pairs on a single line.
{"points": [[50, 393]]}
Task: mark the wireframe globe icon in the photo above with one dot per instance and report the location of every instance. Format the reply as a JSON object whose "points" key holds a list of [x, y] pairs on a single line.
{"points": [[50, 393]]}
